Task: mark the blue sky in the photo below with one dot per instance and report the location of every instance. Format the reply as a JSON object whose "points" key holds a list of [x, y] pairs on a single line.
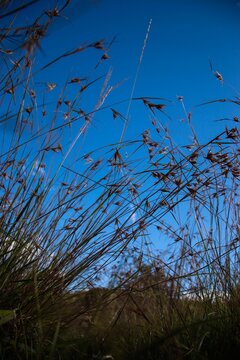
{"points": [[183, 36]]}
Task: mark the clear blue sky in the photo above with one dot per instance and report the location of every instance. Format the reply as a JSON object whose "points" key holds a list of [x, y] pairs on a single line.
{"points": [[184, 35]]}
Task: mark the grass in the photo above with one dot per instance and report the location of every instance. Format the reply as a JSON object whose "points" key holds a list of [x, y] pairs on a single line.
{"points": [[79, 276]]}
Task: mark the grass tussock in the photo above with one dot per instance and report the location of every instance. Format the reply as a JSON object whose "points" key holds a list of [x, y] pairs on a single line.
{"points": [[80, 274]]}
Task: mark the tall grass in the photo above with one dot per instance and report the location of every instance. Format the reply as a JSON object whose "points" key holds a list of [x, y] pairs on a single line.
{"points": [[79, 275]]}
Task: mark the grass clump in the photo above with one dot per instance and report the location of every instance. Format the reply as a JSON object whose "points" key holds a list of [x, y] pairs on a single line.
{"points": [[79, 277]]}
